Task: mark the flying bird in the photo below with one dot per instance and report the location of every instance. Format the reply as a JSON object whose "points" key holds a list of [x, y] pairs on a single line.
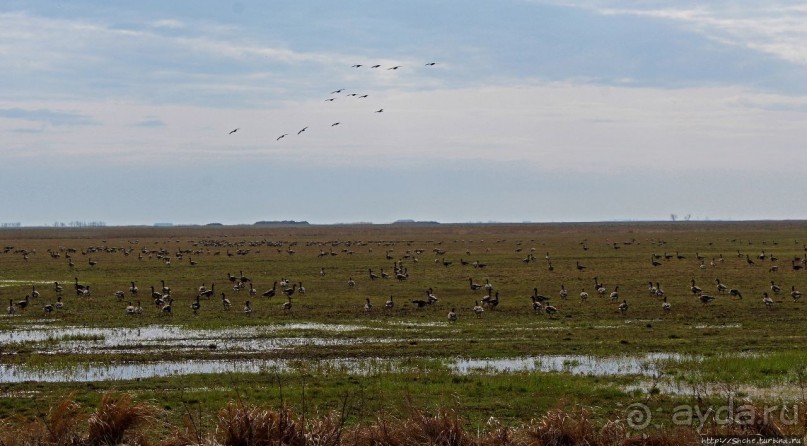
{"points": [[338, 91], [330, 99], [431, 64], [363, 96], [335, 124], [379, 110], [281, 137], [232, 131], [357, 65], [302, 130], [375, 66], [394, 68]]}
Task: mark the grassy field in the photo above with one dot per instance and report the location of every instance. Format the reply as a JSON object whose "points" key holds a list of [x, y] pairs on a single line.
{"points": [[327, 352]]}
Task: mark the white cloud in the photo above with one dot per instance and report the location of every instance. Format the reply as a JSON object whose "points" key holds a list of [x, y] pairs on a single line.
{"points": [[775, 28], [557, 127], [168, 23]]}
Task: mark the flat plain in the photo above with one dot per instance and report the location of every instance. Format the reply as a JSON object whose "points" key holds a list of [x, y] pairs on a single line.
{"points": [[324, 348]]}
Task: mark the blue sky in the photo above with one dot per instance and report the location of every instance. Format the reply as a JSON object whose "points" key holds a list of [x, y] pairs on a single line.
{"points": [[555, 110]]}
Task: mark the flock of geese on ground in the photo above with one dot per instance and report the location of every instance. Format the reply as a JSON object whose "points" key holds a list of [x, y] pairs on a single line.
{"points": [[162, 299], [341, 91]]}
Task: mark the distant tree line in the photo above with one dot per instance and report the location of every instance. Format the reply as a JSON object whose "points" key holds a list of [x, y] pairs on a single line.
{"points": [[10, 225], [79, 224], [674, 217], [283, 222]]}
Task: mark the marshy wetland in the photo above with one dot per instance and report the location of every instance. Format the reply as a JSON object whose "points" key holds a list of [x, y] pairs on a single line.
{"points": [[316, 344]]}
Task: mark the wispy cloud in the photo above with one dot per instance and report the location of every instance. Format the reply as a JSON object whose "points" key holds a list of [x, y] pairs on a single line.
{"points": [[55, 118], [150, 123], [168, 23], [771, 27]]}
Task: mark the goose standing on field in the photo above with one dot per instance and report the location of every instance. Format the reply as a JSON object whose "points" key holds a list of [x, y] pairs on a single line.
{"points": [[705, 298], [368, 307], [11, 309], [57, 287], [34, 293], [599, 286], [694, 288], [120, 294], [167, 308], [538, 297], [583, 295], [350, 282], [452, 315], [536, 306], [300, 289], [138, 309], [550, 310], [493, 303], [23, 304], [225, 302], [735, 293], [721, 287], [623, 307], [615, 294], [207, 294], [247, 308], [767, 300], [795, 294], [666, 307], [564, 293], [270, 293], [58, 305], [286, 305], [478, 310], [78, 285], [775, 288], [474, 286], [130, 309], [252, 290], [196, 306], [420, 303], [133, 289], [389, 304]]}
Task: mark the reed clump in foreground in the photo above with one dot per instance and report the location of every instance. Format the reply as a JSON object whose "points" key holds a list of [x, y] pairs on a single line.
{"points": [[119, 421]]}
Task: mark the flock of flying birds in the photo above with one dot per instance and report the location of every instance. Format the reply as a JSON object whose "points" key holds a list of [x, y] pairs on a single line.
{"points": [[340, 91]]}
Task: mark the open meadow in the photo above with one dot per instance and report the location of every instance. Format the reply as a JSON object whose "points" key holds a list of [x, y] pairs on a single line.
{"points": [[489, 322]]}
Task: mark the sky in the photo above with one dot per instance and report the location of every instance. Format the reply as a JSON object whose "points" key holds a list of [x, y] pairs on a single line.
{"points": [[534, 110]]}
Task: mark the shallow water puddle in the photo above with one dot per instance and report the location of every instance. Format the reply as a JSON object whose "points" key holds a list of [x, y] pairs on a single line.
{"points": [[5, 283], [572, 364], [171, 337], [584, 365]]}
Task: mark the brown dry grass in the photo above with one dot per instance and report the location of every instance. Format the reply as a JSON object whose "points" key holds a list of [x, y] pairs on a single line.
{"points": [[119, 420], [115, 417]]}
